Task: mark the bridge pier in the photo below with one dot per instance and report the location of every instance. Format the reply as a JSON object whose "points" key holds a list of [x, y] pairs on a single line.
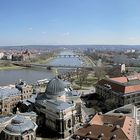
{"points": [[49, 68]]}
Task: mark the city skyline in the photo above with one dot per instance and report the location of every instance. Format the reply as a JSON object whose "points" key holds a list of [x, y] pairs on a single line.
{"points": [[69, 22]]}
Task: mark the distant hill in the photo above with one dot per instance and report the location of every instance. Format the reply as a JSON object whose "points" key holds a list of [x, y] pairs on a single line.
{"points": [[98, 47]]}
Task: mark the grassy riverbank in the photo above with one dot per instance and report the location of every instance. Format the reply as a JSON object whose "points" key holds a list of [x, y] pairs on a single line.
{"points": [[10, 67]]}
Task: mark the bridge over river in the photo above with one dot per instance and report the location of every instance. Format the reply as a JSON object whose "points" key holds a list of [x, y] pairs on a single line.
{"points": [[70, 55], [86, 62], [52, 66]]}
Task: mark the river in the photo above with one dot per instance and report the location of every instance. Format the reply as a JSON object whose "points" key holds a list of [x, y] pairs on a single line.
{"points": [[66, 61], [32, 75]]}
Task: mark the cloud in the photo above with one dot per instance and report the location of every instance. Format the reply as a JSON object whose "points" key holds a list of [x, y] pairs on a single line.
{"points": [[66, 34]]}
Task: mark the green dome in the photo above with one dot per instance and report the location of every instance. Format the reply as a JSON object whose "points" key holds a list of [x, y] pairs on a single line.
{"points": [[55, 87]]}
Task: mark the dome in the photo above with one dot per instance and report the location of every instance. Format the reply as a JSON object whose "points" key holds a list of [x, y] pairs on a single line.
{"points": [[19, 125], [55, 87]]}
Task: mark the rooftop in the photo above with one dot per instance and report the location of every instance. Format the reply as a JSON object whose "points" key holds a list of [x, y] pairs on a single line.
{"points": [[3, 121], [56, 104], [127, 110], [6, 92], [21, 84], [55, 87], [122, 84], [108, 127], [19, 124]]}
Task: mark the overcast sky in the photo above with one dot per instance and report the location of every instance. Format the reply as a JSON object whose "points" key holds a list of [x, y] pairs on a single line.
{"points": [[26, 22]]}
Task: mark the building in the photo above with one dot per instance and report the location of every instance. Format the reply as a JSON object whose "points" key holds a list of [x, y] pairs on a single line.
{"points": [[107, 127], [17, 57], [17, 127], [57, 108], [121, 90], [9, 97], [130, 110], [21, 56], [26, 90], [40, 86], [1, 54]]}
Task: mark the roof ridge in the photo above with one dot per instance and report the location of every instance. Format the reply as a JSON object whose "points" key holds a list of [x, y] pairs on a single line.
{"points": [[123, 129]]}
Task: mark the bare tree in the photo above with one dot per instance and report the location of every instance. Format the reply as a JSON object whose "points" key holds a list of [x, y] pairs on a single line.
{"points": [[100, 72]]}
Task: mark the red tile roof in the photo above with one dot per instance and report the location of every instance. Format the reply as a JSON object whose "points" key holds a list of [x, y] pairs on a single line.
{"points": [[120, 79], [107, 127], [121, 84], [129, 89]]}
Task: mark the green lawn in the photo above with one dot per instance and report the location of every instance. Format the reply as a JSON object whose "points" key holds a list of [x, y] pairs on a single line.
{"points": [[90, 81]]}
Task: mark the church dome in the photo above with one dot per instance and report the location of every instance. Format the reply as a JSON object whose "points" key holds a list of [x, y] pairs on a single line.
{"points": [[19, 125], [55, 87]]}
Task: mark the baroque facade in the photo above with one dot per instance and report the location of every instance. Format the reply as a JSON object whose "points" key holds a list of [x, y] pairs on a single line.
{"points": [[26, 90], [11, 95], [58, 109]]}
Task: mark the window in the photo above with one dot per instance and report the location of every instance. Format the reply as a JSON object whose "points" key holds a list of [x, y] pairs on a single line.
{"points": [[133, 96], [128, 97], [16, 138], [28, 137], [69, 123], [10, 137], [32, 137], [6, 136]]}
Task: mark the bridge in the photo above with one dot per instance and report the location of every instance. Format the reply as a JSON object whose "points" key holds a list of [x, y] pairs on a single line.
{"points": [[69, 56], [91, 65], [51, 66]]}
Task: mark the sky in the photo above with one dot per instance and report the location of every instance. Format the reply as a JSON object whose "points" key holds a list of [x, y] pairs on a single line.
{"points": [[69, 22]]}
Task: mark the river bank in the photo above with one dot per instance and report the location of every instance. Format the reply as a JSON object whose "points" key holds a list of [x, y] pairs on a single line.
{"points": [[10, 67], [7, 65]]}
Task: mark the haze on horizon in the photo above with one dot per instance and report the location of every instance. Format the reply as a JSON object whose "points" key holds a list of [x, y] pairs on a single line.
{"points": [[56, 22]]}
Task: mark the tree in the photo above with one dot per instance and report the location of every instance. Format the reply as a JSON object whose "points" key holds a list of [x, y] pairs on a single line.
{"points": [[100, 73]]}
